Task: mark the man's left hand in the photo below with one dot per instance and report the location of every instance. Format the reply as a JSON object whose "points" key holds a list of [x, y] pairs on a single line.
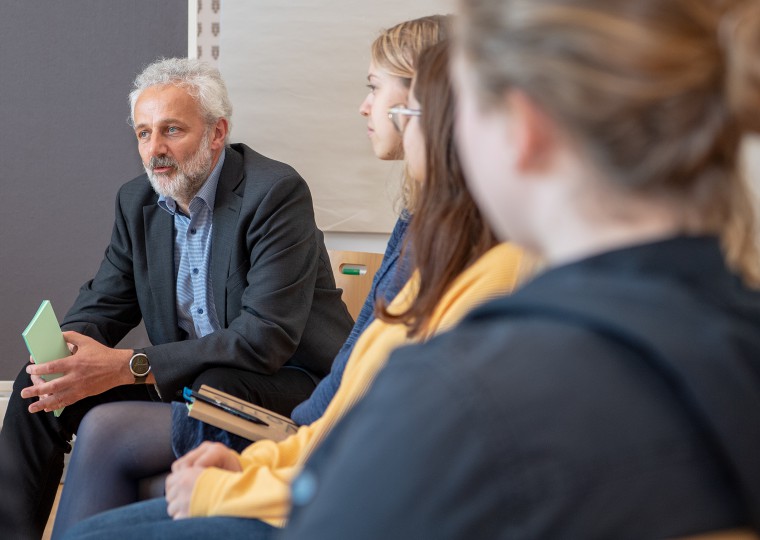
{"points": [[91, 370]]}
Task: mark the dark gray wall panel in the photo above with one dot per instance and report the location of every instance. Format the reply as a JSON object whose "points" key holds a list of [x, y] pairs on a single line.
{"points": [[65, 148]]}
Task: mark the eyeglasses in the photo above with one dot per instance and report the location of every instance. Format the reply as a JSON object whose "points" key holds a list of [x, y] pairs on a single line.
{"points": [[398, 114]]}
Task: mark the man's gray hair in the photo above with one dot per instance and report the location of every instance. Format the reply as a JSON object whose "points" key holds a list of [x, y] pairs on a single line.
{"points": [[202, 81]]}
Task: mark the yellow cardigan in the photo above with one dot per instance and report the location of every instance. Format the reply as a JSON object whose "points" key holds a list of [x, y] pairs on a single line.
{"points": [[262, 489]]}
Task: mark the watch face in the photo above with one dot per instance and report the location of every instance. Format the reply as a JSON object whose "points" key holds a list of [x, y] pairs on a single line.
{"points": [[139, 365]]}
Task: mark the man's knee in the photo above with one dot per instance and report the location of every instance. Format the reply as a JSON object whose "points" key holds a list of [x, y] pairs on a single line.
{"points": [[226, 380], [23, 380], [280, 392], [253, 387]]}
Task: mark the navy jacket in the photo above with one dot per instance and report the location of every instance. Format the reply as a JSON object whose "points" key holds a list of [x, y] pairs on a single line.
{"points": [[615, 397]]}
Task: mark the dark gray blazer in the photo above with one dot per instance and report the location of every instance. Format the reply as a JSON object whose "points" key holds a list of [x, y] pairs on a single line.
{"points": [[273, 287]]}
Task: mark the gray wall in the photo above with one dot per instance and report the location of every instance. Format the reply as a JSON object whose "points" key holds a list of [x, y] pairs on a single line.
{"points": [[65, 147]]}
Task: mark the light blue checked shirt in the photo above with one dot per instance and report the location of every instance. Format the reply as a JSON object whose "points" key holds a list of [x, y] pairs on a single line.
{"points": [[196, 313]]}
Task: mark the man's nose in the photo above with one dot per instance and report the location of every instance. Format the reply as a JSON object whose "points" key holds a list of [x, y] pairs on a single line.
{"points": [[157, 146]]}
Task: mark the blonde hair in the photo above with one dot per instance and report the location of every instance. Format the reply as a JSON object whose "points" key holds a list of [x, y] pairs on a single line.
{"points": [[396, 51], [658, 93]]}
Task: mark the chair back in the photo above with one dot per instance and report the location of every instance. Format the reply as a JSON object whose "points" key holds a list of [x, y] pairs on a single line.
{"points": [[354, 271]]}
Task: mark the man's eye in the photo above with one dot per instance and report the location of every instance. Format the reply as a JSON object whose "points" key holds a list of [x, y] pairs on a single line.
{"points": [[142, 134], [372, 88], [173, 129]]}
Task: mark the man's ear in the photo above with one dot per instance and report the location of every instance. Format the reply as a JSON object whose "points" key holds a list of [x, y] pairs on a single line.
{"points": [[532, 131], [219, 134]]}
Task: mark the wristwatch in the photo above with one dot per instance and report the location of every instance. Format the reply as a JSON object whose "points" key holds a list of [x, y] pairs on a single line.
{"points": [[139, 365]]}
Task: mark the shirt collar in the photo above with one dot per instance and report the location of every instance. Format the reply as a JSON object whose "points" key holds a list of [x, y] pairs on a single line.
{"points": [[207, 193]]}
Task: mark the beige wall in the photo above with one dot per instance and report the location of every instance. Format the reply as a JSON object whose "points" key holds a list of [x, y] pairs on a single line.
{"points": [[296, 73]]}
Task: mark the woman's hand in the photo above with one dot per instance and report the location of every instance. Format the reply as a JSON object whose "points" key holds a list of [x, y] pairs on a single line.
{"points": [[186, 470]]}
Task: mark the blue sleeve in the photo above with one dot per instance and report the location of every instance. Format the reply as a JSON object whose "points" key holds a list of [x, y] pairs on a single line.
{"points": [[393, 273]]}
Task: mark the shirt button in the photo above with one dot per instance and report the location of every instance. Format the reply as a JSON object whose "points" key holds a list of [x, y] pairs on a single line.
{"points": [[200, 311], [195, 271], [193, 231]]}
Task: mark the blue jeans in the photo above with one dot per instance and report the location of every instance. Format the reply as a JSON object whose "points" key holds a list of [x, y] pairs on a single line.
{"points": [[148, 519]]}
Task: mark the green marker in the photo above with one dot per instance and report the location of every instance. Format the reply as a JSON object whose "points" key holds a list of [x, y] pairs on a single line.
{"points": [[352, 270]]}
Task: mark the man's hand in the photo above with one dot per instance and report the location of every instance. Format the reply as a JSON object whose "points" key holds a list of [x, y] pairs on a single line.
{"points": [[92, 369], [186, 470]]}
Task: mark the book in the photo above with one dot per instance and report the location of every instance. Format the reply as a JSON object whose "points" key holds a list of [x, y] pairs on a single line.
{"points": [[237, 416], [44, 339]]}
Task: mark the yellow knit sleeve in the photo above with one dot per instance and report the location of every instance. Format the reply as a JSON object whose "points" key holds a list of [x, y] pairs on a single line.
{"points": [[262, 489]]}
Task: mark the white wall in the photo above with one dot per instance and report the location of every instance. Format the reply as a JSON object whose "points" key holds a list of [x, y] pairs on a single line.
{"points": [[296, 72], [346, 241]]}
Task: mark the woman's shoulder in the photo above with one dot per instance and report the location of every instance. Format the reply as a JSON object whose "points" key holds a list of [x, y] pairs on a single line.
{"points": [[494, 274], [500, 268]]}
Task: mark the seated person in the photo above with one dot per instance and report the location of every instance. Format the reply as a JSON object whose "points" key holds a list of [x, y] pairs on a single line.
{"points": [[215, 249], [110, 458], [617, 395], [458, 266]]}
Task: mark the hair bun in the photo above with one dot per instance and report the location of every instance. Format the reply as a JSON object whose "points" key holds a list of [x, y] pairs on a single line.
{"points": [[739, 33]]}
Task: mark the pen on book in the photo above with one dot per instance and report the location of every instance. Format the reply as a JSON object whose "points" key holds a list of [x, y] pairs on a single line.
{"points": [[191, 395]]}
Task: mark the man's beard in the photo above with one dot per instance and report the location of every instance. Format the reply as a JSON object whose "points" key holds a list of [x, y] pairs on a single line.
{"points": [[188, 176]]}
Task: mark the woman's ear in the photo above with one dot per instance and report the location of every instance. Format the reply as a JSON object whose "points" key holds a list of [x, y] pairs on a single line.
{"points": [[531, 131]]}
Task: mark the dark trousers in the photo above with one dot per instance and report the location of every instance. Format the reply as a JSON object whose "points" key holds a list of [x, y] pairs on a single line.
{"points": [[32, 445]]}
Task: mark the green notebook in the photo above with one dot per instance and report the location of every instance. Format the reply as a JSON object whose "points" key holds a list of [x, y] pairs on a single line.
{"points": [[44, 339]]}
